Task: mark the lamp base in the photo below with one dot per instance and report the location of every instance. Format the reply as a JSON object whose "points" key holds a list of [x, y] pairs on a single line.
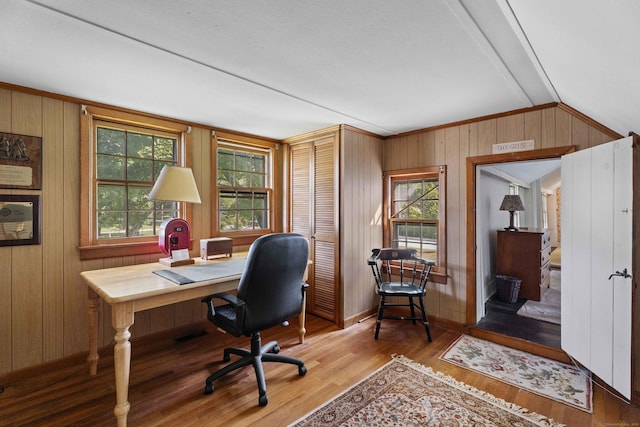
{"points": [[511, 227], [170, 262]]}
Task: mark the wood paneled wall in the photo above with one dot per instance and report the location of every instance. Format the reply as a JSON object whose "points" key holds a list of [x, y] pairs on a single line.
{"points": [[37, 311], [43, 301], [360, 220], [552, 126]]}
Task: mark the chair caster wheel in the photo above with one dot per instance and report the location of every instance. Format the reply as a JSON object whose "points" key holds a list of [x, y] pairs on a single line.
{"points": [[276, 349], [302, 370], [208, 388], [262, 401]]}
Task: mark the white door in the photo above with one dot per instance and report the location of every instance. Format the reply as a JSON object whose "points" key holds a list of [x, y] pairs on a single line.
{"points": [[596, 221]]}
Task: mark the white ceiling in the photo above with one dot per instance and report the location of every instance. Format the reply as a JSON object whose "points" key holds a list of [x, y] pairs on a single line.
{"points": [[524, 173], [279, 68]]}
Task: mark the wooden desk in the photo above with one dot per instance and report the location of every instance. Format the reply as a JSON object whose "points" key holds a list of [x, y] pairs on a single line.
{"points": [[136, 288]]}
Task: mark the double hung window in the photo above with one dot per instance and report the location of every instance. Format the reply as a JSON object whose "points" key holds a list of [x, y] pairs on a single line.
{"points": [[244, 183], [128, 162], [415, 209], [122, 155]]}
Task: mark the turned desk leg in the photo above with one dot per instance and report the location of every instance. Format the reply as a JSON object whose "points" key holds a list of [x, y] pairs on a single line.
{"points": [[302, 319], [122, 320], [92, 316]]}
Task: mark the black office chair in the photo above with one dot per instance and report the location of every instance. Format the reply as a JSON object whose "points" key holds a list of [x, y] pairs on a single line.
{"points": [[413, 273], [270, 292]]}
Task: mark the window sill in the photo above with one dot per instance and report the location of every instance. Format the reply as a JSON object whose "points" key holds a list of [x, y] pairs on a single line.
{"points": [[439, 278], [117, 250], [243, 238]]}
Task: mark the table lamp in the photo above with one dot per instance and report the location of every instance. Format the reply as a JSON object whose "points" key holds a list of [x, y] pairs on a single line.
{"points": [[511, 203], [175, 184]]}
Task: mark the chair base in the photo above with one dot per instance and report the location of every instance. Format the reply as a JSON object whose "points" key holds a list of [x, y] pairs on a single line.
{"points": [[255, 356], [412, 305]]}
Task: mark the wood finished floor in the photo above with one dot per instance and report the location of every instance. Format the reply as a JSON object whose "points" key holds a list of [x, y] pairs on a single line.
{"points": [[167, 378]]}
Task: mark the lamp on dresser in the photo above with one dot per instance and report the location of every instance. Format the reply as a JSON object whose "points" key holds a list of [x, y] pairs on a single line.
{"points": [[511, 203], [175, 184]]}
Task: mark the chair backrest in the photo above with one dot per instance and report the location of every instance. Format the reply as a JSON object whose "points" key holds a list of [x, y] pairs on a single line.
{"points": [[402, 263], [272, 282]]}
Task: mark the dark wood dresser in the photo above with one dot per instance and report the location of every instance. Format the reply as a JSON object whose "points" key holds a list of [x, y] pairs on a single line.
{"points": [[525, 254]]}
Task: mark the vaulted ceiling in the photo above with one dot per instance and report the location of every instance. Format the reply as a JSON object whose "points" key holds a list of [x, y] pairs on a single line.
{"points": [[279, 68]]}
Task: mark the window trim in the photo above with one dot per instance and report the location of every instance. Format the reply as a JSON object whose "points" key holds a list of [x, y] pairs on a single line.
{"points": [[249, 144], [90, 247], [439, 272]]}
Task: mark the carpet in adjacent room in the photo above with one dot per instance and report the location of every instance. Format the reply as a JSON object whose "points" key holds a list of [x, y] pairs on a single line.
{"points": [[548, 308]]}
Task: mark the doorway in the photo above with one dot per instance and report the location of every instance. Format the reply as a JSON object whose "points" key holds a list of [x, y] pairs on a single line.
{"points": [[536, 183], [504, 322]]}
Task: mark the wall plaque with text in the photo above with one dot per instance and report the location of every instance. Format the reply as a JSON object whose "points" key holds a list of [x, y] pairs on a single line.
{"points": [[20, 161]]}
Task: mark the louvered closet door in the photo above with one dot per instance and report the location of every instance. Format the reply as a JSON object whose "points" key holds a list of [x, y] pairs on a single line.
{"points": [[313, 214], [324, 238], [301, 189]]}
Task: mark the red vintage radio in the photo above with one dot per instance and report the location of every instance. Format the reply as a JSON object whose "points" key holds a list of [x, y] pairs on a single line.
{"points": [[174, 235]]}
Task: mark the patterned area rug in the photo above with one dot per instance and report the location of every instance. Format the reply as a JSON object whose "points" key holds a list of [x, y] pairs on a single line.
{"points": [[554, 380], [548, 308], [406, 393]]}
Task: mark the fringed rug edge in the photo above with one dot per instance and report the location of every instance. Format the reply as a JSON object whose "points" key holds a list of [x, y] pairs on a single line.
{"points": [[539, 419], [588, 409]]}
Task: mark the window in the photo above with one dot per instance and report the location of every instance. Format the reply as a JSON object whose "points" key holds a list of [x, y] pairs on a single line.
{"points": [[128, 162], [415, 214], [122, 156], [545, 210], [244, 189]]}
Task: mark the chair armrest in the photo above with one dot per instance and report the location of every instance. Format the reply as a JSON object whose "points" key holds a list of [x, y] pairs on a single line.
{"points": [[232, 299], [373, 259]]}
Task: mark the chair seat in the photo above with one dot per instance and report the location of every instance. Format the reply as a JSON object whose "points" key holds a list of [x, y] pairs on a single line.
{"points": [[401, 289], [225, 318]]}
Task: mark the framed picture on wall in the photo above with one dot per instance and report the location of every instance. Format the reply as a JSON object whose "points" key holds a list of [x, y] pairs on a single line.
{"points": [[19, 219], [20, 161]]}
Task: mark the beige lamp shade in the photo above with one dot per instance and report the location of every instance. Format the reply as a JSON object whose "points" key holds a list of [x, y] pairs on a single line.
{"points": [[175, 184]]}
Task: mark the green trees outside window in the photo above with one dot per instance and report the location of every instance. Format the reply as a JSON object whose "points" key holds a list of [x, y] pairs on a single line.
{"points": [[243, 189], [127, 164]]}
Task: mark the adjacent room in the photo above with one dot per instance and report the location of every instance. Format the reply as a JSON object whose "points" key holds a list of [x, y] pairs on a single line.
{"points": [[247, 212]]}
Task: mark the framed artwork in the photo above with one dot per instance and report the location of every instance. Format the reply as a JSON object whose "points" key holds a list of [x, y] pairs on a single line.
{"points": [[20, 161], [19, 219]]}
